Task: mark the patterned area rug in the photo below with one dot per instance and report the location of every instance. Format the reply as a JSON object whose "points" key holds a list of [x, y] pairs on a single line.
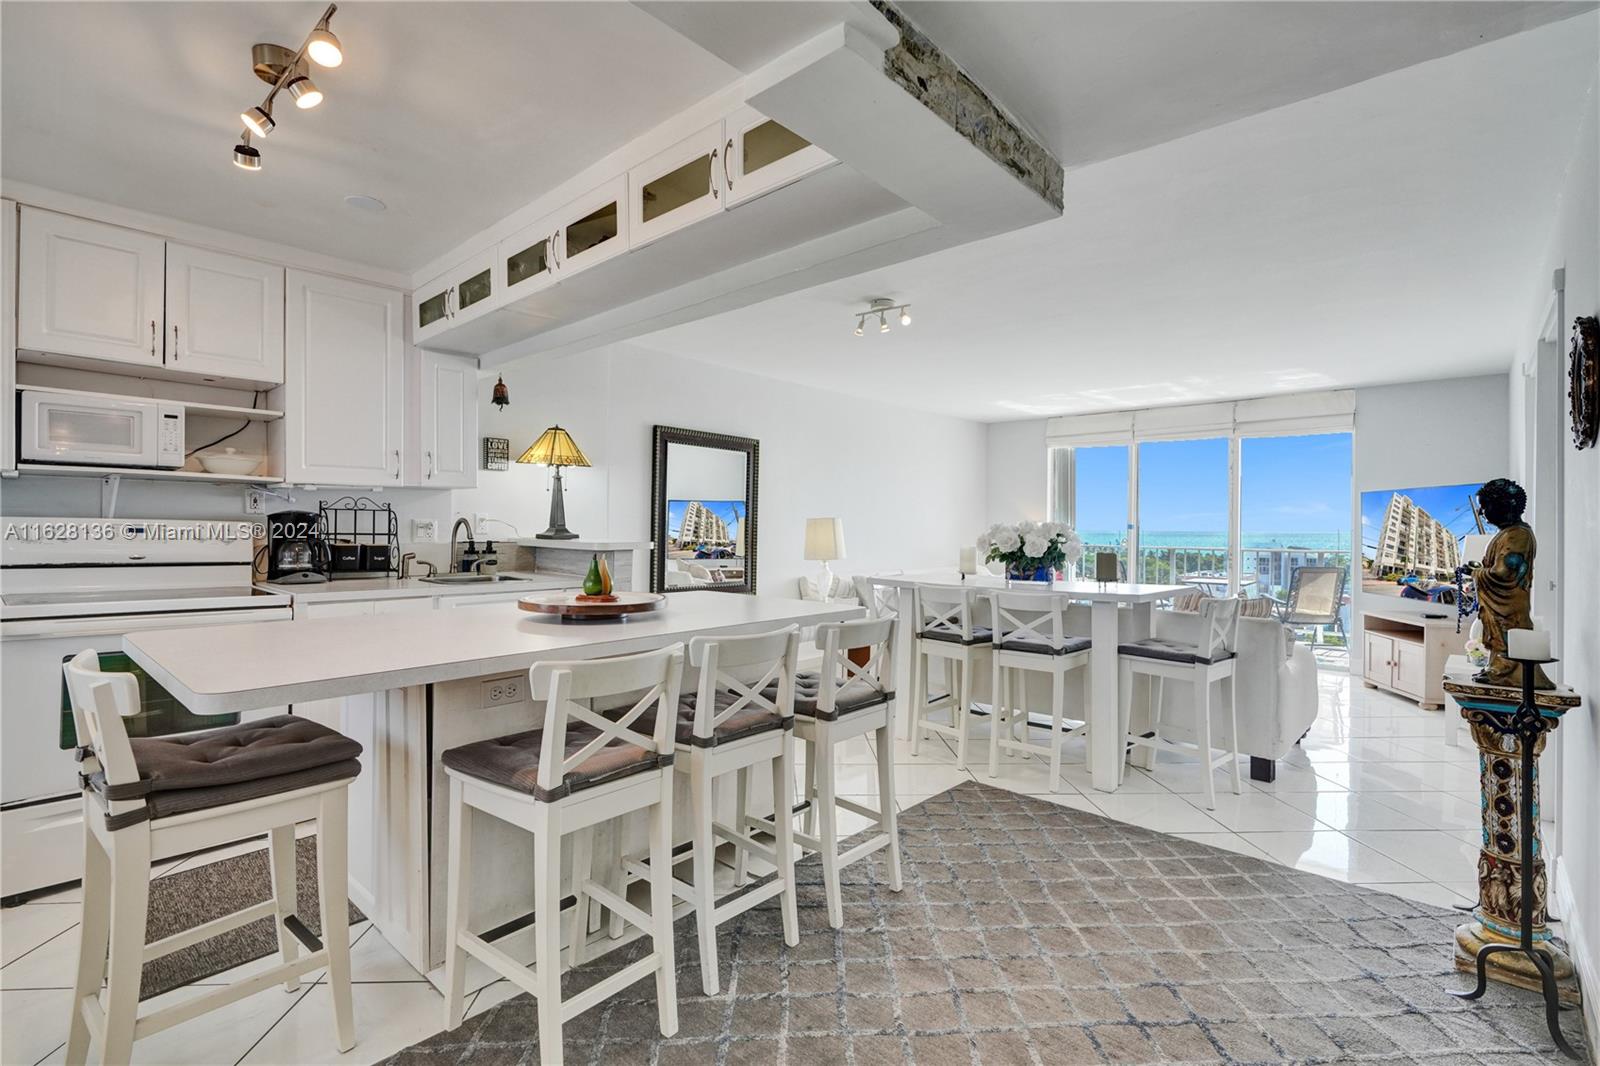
{"points": [[1030, 933], [193, 897]]}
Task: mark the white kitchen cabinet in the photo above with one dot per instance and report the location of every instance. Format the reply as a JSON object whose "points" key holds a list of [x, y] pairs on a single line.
{"points": [[224, 316], [762, 155], [343, 393], [526, 260], [592, 228], [90, 290], [455, 297], [676, 188], [449, 420]]}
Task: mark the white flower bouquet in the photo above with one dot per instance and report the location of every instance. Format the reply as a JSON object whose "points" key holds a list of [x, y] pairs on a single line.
{"points": [[1033, 550]]}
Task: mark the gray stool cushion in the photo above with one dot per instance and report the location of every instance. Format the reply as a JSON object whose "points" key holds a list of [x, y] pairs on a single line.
{"points": [[513, 761], [857, 695], [748, 722], [1069, 646], [980, 635], [1171, 651], [197, 771]]}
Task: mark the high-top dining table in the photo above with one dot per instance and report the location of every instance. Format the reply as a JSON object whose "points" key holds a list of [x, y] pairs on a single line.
{"points": [[1105, 599]]}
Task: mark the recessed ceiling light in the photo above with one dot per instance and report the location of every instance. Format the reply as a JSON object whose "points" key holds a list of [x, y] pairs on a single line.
{"points": [[366, 203]]}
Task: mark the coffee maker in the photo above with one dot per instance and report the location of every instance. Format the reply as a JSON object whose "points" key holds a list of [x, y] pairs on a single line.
{"points": [[297, 552]]}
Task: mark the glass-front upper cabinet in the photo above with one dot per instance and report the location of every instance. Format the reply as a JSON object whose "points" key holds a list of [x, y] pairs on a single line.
{"points": [[680, 186], [764, 155], [454, 297], [528, 258], [593, 228]]}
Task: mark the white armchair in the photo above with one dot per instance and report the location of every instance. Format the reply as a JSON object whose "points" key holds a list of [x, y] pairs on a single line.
{"points": [[1276, 695]]}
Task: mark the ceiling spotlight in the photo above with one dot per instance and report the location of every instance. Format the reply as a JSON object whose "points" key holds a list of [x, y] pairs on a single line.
{"points": [[258, 120], [883, 323], [323, 46], [860, 324], [305, 93], [905, 315], [246, 157]]}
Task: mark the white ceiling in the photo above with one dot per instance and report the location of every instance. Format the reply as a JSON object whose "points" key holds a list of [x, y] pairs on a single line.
{"points": [[1097, 79], [1387, 231], [454, 114]]}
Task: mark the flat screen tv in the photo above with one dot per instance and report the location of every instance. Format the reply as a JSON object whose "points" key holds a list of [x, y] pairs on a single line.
{"points": [[1411, 542]]}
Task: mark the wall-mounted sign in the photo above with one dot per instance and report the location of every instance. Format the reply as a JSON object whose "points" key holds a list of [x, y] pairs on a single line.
{"points": [[496, 453]]}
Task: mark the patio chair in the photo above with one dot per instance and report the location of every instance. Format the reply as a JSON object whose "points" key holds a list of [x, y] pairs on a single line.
{"points": [[1316, 597]]}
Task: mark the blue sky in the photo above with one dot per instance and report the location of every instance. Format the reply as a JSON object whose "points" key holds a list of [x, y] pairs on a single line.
{"points": [[730, 511], [1449, 504], [1288, 484]]}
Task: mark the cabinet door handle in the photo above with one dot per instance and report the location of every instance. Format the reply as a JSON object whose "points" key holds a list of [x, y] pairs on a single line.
{"points": [[174, 343], [152, 338], [450, 301], [429, 456], [555, 251], [714, 173], [397, 464], [726, 152]]}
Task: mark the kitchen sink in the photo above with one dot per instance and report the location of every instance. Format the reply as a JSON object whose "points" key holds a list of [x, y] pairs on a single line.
{"points": [[466, 579]]}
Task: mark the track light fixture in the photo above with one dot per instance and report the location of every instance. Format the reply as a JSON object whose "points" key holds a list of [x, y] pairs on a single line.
{"points": [[284, 69], [881, 307]]}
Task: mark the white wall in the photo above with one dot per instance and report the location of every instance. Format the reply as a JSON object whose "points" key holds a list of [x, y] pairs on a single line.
{"points": [[908, 485], [1419, 435], [1574, 246], [1019, 472]]}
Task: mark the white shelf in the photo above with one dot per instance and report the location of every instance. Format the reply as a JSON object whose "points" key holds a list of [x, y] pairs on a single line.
{"points": [[192, 407], [141, 474]]}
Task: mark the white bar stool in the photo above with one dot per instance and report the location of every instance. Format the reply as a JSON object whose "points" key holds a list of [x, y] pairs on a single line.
{"points": [[580, 769], [945, 627], [1201, 664], [188, 793], [729, 726], [842, 701], [1030, 635]]}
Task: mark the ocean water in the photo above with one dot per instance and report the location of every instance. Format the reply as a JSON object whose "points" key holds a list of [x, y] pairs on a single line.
{"points": [[1157, 538]]}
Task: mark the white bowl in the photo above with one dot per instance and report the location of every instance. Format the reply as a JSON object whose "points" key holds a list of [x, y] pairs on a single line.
{"points": [[229, 462]]}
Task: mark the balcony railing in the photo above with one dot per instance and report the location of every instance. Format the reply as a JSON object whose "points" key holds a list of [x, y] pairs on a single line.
{"points": [[1272, 568]]}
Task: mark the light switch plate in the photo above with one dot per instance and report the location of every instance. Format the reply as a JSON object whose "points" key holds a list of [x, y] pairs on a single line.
{"points": [[255, 501]]}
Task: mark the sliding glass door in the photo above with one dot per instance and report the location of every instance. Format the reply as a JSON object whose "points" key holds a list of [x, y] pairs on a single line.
{"points": [[1100, 504], [1294, 511], [1183, 513]]}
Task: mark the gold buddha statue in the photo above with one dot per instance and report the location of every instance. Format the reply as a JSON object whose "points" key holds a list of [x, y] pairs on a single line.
{"points": [[1504, 581]]}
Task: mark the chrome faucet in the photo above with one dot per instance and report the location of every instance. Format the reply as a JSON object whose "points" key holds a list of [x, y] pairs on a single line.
{"points": [[411, 557], [456, 563]]}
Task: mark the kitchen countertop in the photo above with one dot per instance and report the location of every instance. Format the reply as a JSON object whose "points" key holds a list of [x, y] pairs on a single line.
{"points": [[582, 545], [395, 588], [225, 669]]}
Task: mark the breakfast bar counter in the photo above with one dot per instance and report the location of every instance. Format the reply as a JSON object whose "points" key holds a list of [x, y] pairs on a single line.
{"points": [[412, 686]]}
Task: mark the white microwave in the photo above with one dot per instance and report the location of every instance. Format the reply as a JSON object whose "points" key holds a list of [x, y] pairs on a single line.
{"points": [[94, 429]]}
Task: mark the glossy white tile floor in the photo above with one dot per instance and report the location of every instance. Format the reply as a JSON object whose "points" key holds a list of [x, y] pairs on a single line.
{"points": [[1373, 796]]}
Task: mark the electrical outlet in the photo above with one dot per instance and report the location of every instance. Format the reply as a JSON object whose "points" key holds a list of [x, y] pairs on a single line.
{"points": [[424, 530], [480, 524], [502, 690], [255, 501]]}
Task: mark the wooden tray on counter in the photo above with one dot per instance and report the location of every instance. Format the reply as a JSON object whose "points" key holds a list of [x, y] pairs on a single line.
{"points": [[578, 607]]}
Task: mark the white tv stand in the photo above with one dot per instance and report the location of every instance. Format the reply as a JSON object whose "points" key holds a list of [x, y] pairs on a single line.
{"points": [[1404, 652]]}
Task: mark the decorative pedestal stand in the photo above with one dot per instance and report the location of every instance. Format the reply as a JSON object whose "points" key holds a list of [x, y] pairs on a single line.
{"points": [[1507, 938]]}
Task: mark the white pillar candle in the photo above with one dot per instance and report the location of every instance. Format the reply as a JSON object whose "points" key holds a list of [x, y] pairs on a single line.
{"points": [[1528, 644], [969, 560]]}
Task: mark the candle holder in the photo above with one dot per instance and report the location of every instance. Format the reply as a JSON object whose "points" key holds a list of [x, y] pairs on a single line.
{"points": [[1528, 724]]}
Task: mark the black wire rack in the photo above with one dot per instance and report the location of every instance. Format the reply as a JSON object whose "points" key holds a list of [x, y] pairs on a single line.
{"points": [[363, 521]]}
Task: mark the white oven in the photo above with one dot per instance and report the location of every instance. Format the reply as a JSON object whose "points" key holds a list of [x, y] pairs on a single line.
{"points": [[41, 808], [94, 429], [67, 584]]}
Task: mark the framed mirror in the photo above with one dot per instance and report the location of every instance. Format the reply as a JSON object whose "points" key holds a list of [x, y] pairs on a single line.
{"points": [[703, 511]]}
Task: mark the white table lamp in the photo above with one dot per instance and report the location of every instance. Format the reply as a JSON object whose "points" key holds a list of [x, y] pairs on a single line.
{"points": [[824, 543]]}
